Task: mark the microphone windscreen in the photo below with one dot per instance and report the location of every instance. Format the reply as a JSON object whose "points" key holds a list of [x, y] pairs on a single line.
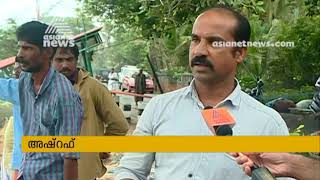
{"points": [[217, 117], [224, 130]]}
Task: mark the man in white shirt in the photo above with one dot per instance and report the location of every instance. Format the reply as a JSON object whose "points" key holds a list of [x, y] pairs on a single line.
{"points": [[179, 112], [113, 82]]}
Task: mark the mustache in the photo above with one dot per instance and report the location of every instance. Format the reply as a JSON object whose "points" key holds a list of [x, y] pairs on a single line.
{"points": [[65, 70], [22, 61], [201, 60]]}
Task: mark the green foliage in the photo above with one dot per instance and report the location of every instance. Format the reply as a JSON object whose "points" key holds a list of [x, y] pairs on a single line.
{"points": [[8, 45], [298, 131], [255, 64], [8, 42], [165, 24], [124, 48], [176, 72], [170, 52], [300, 65], [313, 7], [296, 95], [247, 82], [153, 18], [6, 72], [284, 67]]}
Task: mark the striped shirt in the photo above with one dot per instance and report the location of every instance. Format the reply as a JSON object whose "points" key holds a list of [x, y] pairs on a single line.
{"points": [[315, 105], [56, 110]]}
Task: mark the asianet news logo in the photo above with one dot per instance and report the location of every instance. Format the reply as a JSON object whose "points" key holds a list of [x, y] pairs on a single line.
{"points": [[57, 41], [58, 34]]}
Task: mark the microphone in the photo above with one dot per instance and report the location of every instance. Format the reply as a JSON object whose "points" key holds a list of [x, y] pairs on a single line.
{"points": [[218, 118], [222, 128], [258, 173], [261, 173]]}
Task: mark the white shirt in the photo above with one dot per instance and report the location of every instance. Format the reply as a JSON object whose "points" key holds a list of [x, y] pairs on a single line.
{"points": [[113, 75], [179, 113], [112, 84]]}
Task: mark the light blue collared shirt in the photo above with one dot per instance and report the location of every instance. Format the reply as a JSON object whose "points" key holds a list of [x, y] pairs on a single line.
{"points": [[179, 113], [56, 110], [9, 91]]}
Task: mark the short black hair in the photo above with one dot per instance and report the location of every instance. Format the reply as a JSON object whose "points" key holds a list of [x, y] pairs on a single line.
{"points": [[73, 49], [243, 30], [33, 32]]}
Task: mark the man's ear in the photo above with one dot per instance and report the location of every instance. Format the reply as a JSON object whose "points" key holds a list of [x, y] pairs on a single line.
{"points": [[240, 54]]}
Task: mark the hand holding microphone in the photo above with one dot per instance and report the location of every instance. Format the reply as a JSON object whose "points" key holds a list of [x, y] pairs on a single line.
{"points": [[277, 163], [220, 122], [281, 164]]}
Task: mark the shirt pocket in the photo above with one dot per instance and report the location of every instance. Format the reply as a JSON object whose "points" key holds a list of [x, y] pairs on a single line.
{"points": [[48, 119]]}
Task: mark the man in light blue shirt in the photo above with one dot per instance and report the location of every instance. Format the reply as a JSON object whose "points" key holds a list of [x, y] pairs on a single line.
{"points": [[179, 113], [50, 106], [10, 92]]}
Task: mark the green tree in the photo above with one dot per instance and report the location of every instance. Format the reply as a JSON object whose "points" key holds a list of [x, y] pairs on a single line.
{"points": [[8, 45], [8, 42], [122, 47], [300, 65], [166, 26]]}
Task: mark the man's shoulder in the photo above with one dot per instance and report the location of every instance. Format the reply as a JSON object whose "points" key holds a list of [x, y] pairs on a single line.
{"points": [[254, 111], [93, 85], [61, 79], [170, 96], [24, 75], [23, 79], [63, 85], [91, 80], [257, 108]]}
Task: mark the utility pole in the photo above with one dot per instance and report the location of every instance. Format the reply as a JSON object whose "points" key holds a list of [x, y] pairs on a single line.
{"points": [[37, 10]]}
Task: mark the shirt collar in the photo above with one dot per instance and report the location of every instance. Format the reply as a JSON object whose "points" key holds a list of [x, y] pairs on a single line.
{"points": [[82, 75], [189, 88], [74, 77], [234, 97], [45, 82]]}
